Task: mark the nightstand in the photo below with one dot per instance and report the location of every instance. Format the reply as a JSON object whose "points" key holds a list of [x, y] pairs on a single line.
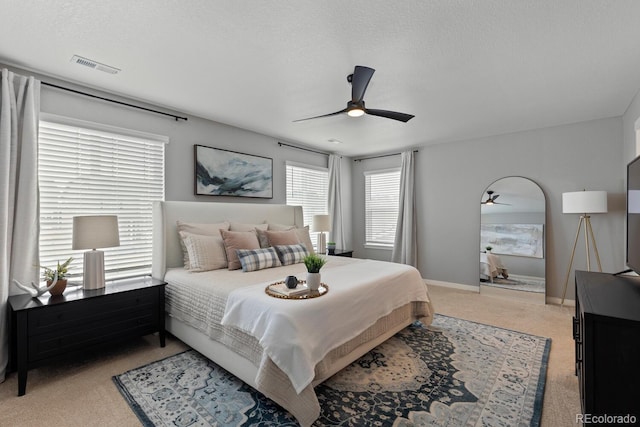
{"points": [[50, 327], [342, 252]]}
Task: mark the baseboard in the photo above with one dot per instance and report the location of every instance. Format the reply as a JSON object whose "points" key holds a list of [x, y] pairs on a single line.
{"points": [[460, 286], [476, 289]]}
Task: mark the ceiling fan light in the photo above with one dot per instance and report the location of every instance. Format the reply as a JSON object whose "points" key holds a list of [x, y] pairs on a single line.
{"points": [[355, 112]]}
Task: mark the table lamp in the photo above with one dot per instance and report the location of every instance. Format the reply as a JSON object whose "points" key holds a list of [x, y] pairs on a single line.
{"points": [[321, 224], [93, 232], [583, 203]]}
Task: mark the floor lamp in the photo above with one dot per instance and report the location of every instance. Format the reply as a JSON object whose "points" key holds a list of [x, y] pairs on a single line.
{"points": [[583, 203]]}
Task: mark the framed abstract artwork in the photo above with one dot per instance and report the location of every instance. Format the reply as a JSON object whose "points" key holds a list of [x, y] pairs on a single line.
{"points": [[513, 239], [221, 172]]}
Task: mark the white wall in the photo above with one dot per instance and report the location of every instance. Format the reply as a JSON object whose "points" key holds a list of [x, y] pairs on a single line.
{"points": [[630, 123], [451, 178], [629, 119], [179, 154]]}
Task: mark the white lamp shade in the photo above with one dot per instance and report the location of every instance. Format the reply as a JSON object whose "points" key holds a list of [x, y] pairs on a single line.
{"points": [[95, 231], [633, 201], [584, 202], [321, 223]]}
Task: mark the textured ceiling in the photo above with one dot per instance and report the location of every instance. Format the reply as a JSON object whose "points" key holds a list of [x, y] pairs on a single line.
{"points": [[463, 68]]}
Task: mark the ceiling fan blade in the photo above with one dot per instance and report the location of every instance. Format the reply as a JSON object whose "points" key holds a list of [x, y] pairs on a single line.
{"points": [[495, 197], [324, 115], [402, 117], [359, 82]]}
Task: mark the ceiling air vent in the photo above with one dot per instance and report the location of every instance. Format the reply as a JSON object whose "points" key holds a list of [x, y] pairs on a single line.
{"points": [[93, 64]]}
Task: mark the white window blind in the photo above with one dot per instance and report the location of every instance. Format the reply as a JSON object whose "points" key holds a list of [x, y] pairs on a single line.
{"points": [[382, 194], [308, 186], [86, 171]]}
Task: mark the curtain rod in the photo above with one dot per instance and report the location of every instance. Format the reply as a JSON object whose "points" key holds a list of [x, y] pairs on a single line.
{"points": [[114, 101], [303, 148], [377, 157]]}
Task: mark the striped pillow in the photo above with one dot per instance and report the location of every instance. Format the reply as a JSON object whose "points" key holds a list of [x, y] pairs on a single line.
{"points": [[205, 252], [257, 259], [291, 254]]}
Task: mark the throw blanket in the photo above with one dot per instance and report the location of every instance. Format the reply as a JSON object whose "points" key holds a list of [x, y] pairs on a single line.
{"points": [[297, 334]]}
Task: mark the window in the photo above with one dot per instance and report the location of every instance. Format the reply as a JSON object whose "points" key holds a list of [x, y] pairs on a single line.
{"points": [[90, 169], [382, 194], [308, 186]]}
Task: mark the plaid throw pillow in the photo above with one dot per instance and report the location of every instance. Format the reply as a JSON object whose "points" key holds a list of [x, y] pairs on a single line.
{"points": [[257, 259], [291, 254]]}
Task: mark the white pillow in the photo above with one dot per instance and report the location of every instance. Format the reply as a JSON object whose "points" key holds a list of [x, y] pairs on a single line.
{"points": [[280, 227], [205, 252], [239, 226], [204, 229], [303, 236], [262, 238]]}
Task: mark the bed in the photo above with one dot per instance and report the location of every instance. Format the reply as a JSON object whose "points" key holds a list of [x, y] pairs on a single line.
{"points": [[269, 348]]}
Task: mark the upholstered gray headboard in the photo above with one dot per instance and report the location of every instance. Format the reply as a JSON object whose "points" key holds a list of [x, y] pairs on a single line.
{"points": [[167, 252]]}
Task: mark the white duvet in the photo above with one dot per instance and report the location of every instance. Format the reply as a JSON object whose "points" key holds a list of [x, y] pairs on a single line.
{"points": [[297, 334]]}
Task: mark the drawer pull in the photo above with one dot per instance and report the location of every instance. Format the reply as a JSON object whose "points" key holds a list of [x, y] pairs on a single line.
{"points": [[576, 329]]}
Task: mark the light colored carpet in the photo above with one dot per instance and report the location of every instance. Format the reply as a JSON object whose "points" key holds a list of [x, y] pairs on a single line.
{"points": [[81, 393], [561, 397]]}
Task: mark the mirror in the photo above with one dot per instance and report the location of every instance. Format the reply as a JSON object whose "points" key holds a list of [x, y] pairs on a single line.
{"points": [[512, 228]]}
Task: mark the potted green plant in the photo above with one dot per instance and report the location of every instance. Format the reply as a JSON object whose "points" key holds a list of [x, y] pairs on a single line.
{"points": [[488, 248], [313, 263], [57, 275], [331, 248]]}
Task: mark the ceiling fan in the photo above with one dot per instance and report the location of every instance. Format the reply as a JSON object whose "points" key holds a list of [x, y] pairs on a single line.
{"points": [[491, 200], [355, 108]]}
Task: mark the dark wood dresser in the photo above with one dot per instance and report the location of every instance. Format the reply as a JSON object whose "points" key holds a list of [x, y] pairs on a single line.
{"points": [[57, 326], [606, 330]]}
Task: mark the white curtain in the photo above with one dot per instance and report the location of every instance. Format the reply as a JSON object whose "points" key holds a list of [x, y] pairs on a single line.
{"points": [[19, 212], [405, 246], [335, 202]]}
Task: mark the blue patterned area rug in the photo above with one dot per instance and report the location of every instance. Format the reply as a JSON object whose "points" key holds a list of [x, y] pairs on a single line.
{"points": [[451, 373]]}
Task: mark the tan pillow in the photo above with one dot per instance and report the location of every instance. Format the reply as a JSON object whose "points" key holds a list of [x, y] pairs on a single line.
{"points": [[238, 226], [262, 238], [305, 239], [280, 227], [238, 240], [281, 238], [205, 252], [204, 229]]}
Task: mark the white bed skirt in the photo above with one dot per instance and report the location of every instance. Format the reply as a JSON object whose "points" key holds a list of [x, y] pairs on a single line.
{"points": [[304, 406]]}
